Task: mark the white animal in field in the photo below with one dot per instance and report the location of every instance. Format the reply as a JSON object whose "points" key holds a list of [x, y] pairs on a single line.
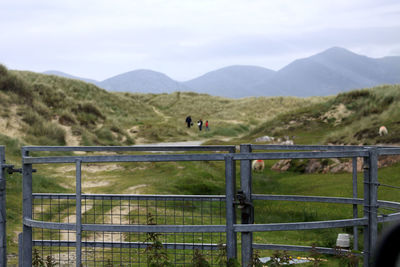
{"points": [[257, 165], [383, 131]]}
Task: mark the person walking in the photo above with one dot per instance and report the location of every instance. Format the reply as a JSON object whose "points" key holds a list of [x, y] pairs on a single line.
{"points": [[200, 124], [189, 121], [207, 129]]}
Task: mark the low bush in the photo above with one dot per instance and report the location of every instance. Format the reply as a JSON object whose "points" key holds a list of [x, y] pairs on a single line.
{"points": [[47, 133], [67, 119], [11, 82]]}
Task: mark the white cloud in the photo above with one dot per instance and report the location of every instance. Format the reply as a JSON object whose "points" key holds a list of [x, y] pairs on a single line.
{"points": [[183, 38]]}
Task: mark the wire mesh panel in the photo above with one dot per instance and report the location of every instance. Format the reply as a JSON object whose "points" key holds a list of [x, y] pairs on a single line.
{"points": [[130, 248]]}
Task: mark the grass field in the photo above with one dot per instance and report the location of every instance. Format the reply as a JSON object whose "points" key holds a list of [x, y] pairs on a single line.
{"points": [[38, 109]]}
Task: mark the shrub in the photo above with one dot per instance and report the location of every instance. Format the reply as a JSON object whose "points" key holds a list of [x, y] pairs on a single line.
{"points": [[47, 133], [87, 114], [31, 117], [67, 119], [53, 98], [10, 82], [88, 108], [199, 260]]}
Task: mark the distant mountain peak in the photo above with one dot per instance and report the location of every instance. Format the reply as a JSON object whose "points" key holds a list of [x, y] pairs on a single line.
{"points": [[337, 51], [329, 72]]}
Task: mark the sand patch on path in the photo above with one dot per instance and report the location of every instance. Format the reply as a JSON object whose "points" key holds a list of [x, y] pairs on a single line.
{"points": [[10, 125], [135, 189], [90, 168]]}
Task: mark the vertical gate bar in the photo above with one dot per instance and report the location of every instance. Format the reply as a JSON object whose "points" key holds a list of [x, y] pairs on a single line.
{"points": [[366, 211], [3, 216], [246, 187], [78, 214], [355, 208], [373, 200], [230, 209], [26, 210]]}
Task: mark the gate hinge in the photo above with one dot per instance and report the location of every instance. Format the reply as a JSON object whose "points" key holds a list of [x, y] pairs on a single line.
{"points": [[10, 169]]}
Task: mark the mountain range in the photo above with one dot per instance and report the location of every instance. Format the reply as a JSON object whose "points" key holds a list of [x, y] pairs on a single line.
{"points": [[330, 72]]}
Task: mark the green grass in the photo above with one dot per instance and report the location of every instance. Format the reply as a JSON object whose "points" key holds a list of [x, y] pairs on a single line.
{"points": [[45, 110]]}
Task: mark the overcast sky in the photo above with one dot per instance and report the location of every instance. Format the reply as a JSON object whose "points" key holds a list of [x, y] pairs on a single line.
{"points": [[187, 38]]}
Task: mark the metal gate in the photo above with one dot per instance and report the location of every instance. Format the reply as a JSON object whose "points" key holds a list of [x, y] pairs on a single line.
{"points": [[370, 202], [186, 223], [102, 229]]}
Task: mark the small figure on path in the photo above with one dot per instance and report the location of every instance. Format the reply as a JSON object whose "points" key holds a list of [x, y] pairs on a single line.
{"points": [[200, 124], [207, 129], [189, 121]]}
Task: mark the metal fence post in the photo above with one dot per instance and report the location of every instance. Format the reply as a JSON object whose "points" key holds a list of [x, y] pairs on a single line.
{"points": [[247, 214], [26, 210], [355, 208], [373, 215], [3, 216], [230, 184], [366, 210], [78, 213], [370, 204]]}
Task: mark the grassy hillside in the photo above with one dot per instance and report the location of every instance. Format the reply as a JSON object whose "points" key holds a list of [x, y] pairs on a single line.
{"points": [[39, 109], [348, 118], [49, 110]]}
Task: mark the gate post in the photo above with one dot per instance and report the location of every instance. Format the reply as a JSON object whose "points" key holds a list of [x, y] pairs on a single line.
{"points": [[355, 207], [3, 233], [373, 215], [78, 239], [230, 184], [247, 214], [26, 210], [370, 204]]}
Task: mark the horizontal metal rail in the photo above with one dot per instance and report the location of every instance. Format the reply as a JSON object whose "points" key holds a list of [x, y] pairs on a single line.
{"points": [[100, 244], [338, 200], [130, 197], [127, 148], [199, 228], [389, 217], [305, 148], [194, 157], [124, 158], [301, 155], [299, 225], [128, 228], [388, 151], [302, 248]]}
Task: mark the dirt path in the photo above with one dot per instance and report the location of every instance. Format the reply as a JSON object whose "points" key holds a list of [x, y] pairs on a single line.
{"points": [[158, 112]]}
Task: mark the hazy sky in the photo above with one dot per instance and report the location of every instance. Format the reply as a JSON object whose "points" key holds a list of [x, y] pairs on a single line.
{"points": [[186, 38]]}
